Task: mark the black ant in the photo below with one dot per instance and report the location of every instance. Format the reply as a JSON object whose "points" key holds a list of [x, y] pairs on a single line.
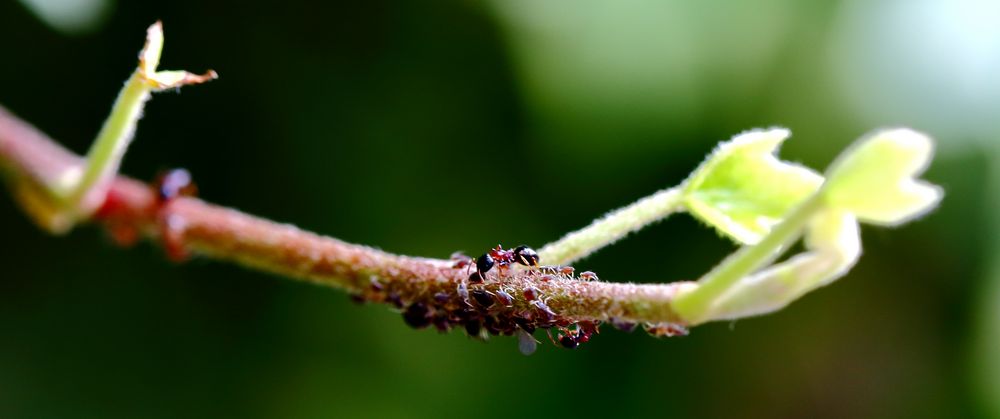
{"points": [[573, 338], [497, 256]]}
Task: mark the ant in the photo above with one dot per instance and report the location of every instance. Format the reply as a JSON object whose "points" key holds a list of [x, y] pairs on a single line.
{"points": [[575, 337], [496, 256]]}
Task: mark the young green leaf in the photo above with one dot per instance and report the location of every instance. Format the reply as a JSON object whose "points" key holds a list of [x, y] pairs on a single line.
{"points": [[743, 190], [875, 179]]}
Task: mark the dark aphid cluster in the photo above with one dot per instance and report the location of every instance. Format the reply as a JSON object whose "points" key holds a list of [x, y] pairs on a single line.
{"points": [[496, 257], [482, 310], [485, 309]]}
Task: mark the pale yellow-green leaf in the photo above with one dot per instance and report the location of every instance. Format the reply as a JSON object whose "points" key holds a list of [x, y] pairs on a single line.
{"points": [[743, 189], [875, 180]]}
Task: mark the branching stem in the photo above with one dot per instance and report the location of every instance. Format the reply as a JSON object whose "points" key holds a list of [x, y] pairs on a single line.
{"points": [[131, 210], [747, 260], [612, 227], [106, 153]]}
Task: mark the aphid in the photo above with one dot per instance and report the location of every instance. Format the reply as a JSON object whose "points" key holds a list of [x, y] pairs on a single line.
{"points": [[417, 316], [525, 323], [546, 278], [463, 292], [545, 314], [460, 260], [376, 286], [666, 330], [174, 183], [475, 278], [441, 297], [483, 297], [395, 299], [473, 327], [557, 270], [491, 326], [440, 321], [525, 342], [504, 298], [588, 276], [624, 326], [530, 293], [589, 327], [506, 325], [497, 256]]}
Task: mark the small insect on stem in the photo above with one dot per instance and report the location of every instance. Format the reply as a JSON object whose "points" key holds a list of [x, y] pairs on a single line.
{"points": [[174, 183], [504, 298], [168, 186], [417, 316], [572, 338], [460, 260], [665, 329], [497, 256], [525, 342], [530, 294], [483, 297], [463, 292]]}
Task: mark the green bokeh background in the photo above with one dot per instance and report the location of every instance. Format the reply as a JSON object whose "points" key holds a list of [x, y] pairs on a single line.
{"points": [[428, 127]]}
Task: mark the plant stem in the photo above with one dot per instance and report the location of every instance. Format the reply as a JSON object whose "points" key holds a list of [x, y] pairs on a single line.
{"points": [[131, 210], [694, 304], [612, 227], [106, 153]]}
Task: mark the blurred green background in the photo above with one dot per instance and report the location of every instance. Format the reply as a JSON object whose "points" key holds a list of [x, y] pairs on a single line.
{"points": [[428, 127]]}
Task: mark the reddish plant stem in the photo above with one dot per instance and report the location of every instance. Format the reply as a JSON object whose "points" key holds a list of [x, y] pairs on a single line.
{"points": [[182, 225]]}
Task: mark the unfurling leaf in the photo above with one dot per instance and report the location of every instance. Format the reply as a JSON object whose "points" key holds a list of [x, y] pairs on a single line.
{"points": [[875, 180], [743, 189]]}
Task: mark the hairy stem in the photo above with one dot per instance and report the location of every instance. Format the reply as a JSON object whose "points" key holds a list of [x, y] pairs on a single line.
{"points": [[106, 153], [131, 210], [612, 227]]}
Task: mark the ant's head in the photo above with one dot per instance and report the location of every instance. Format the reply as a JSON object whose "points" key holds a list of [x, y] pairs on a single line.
{"points": [[484, 263]]}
